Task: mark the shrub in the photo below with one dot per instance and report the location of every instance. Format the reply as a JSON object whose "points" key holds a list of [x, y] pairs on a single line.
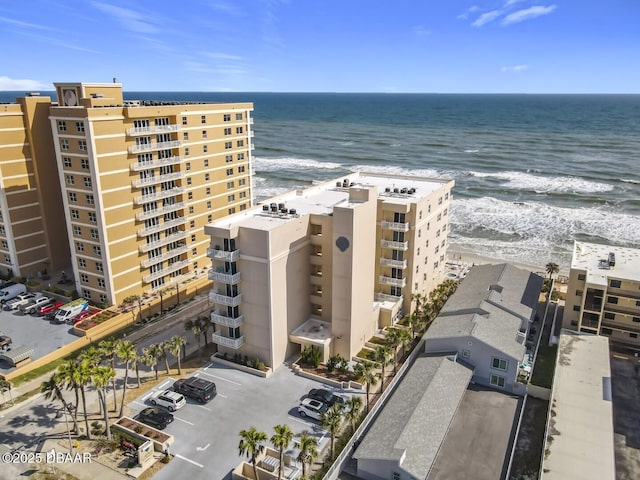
{"points": [[311, 356], [332, 362], [343, 365]]}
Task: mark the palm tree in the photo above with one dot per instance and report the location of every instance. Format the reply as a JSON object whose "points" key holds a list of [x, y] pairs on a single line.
{"points": [[393, 340], [127, 353], [205, 324], [5, 386], [552, 268], [101, 377], [176, 343], [150, 357], [308, 446], [194, 327], [331, 420], [405, 340], [281, 440], [67, 375], [354, 406], [82, 377], [364, 372], [109, 347], [91, 356], [165, 349], [252, 444], [52, 390], [381, 356]]}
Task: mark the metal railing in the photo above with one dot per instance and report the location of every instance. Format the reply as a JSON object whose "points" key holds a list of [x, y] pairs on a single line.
{"points": [[155, 179], [166, 271], [160, 162], [132, 132], [143, 232], [394, 245], [217, 317], [160, 211], [227, 256], [234, 343], [224, 299], [396, 226], [149, 147], [174, 237], [230, 278], [389, 262], [165, 256], [398, 282], [150, 197]]}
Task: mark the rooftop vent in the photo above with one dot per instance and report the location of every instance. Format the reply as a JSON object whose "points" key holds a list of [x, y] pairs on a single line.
{"points": [[404, 190], [396, 190], [33, 94], [387, 190], [338, 184], [265, 208], [293, 211], [612, 259]]}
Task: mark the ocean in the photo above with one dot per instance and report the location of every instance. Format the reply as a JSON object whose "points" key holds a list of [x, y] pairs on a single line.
{"points": [[533, 173]]}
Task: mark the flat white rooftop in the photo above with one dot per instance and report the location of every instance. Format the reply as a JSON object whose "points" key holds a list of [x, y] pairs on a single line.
{"points": [[321, 199], [581, 424], [594, 258]]}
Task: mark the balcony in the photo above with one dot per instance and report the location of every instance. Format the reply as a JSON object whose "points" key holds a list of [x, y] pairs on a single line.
{"points": [[171, 192], [143, 232], [624, 327], [220, 276], [224, 299], [385, 297], [624, 309], [150, 147], [142, 216], [394, 245], [234, 343], [155, 179], [619, 292], [174, 237], [220, 319], [161, 162], [133, 132], [165, 256], [174, 267], [593, 307], [388, 262], [396, 226], [398, 282], [227, 256]]}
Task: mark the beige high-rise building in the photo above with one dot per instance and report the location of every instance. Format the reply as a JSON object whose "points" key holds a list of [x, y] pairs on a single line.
{"points": [[326, 266], [603, 294], [138, 182]]}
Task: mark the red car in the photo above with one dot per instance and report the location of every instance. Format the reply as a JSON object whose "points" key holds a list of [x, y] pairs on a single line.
{"points": [[49, 308], [84, 315]]}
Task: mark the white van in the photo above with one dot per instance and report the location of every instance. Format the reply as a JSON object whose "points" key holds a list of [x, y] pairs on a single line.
{"points": [[12, 291], [71, 310]]}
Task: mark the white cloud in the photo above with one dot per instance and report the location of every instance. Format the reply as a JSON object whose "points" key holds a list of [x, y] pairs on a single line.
{"points": [[508, 3], [7, 83], [486, 18], [222, 56], [421, 31], [19, 23], [527, 14], [130, 19], [464, 15], [515, 68], [225, 8]]}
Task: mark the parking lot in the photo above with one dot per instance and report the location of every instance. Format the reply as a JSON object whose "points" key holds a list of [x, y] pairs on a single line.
{"points": [[207, 436], [34, 331]]}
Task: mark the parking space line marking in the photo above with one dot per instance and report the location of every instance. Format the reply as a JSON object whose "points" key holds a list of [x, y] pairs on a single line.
{"points": [[146, 396], [220, 395], [300, 421], [189, 460], [208, 365], [220, 378], [622, 357], [177, 418], [139, 403], [204, 408], [162, 385]]}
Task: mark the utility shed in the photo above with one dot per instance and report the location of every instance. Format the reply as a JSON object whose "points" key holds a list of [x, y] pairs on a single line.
{"points": [[17, 355]]}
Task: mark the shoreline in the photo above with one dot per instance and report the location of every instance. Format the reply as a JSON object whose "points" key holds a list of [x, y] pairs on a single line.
{"points": [[461, 256]]}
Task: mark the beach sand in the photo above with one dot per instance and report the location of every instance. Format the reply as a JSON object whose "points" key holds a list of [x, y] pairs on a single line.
{"points": [[456, 256]]}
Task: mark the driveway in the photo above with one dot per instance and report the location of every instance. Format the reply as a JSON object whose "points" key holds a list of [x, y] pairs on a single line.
{"points": [[207, 436]]}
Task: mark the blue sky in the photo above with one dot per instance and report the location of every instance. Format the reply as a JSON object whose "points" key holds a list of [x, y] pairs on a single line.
{"points": [[443, 46]]}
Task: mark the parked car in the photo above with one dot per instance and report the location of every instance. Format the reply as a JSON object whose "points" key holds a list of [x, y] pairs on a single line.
{"points": [[325, 396], [49, 309], [312, 408], [32, 306], [70, 310], [196, 388], [155, 417], [169, 399], [11, 290], [82, 315], [5, 341], [22, 299]]}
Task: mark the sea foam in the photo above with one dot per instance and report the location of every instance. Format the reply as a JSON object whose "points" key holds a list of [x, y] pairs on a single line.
{"points": [[545, 184]]}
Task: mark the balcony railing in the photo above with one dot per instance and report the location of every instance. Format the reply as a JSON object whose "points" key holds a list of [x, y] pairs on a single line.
{"points": [[234, 343], [174, 237], [227, 256], [174, 267], [224, 299], [385, 297], [135, 131], [143, 232], [394, 245], [625, 327], [160, 211], [396, 226], [624, 309], [229, 278], [619, 292], [217, 317], [155, 179], [159, 195], [388, 262], [165, 256], [593, 307], [149, 147], [161, 162], [398, 282]]}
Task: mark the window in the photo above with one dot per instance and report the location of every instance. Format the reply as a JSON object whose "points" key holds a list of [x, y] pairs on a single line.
{"points": [[606, 331], [97, 250], [86, 293], [636, 319], [466, 353], [238, 116], [446, 196], [231, 198], [395, 476], [82, 263], [90, 200], [206, 177], [242, 182], [582, 277], [79, 247], [497, 381], [75, 214], [99, 267], [226, 117], [87, 181], [206, 162], [229, 185], [204, 134], [101, 282], [613, 300], [62, 126], [209, 218], [92, 217], [69, 179], [84, 278], [186, 152], [576, 308], [192, 223], [203, 119], [229, 171], [79, 127], [67, 162], [239, 130], [194, 252], [84, 163], [240, 143], [579, 293], [185, 136], [616, 284], [82, 145], [191, 209], [193, 238], [241, 156], [103, 299], [227, 131], [77, 231], [242, 195], [184, 120], [207, 191], [633, 335], [188, 180], [208, 203], [499, 363], [94, 234], [228, 145], [73, 197], [190, 196], [187, 166], [228, 158], [241, 169], [232, 210], [609, 316], [243, 206], [5, 244]]}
